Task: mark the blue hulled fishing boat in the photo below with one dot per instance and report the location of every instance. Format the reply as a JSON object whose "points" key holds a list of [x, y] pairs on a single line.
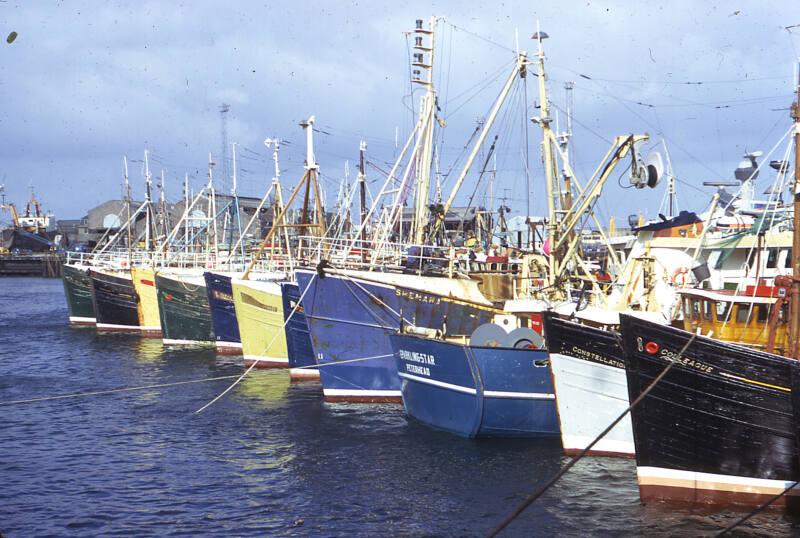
{"points": [[223, 313], [352, 314], [302, 363], [476, 390]]}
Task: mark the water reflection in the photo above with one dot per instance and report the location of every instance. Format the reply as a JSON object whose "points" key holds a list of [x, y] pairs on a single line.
{"points": [[149, 349], [268, 387]]}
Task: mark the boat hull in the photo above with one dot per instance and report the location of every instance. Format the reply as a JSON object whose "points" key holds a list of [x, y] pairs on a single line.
{"points": [[223, 313], [115, 302], [589, 374], [476, 391], [718, 428], [302, 363], [259, 313], [145, 285], [351, 320], [185, 314], [78, 292]]}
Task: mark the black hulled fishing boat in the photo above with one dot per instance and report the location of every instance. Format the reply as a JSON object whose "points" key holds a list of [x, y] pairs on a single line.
{"points": [[78, 290], [719, 428], [115, 300]]}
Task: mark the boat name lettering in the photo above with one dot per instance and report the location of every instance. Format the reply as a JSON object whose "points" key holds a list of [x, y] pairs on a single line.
{"points": [[416, 296], [413, 356], [222, 296], [596, 357], [672, 356], [421, 370]]}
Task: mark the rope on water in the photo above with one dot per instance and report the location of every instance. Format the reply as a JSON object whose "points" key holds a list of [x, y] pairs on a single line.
{"points": [[114, 391], [528, 501], [283, 327], [761, 508]]}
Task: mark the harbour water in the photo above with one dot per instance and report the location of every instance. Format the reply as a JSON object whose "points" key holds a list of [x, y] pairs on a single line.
{"points": [[269, 459]]}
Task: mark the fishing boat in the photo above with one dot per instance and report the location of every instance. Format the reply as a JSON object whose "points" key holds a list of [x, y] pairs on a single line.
{"points": [[184, 308], [588, 374], [223, 313], [115, 301], [78, 291], [719, 428], [302, 362], [144, 282], [350, 334], [502, 388], [260, 318]]}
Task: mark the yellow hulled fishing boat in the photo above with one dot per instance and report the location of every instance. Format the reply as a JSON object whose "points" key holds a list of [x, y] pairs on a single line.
{"points": [[145, 284], [259, 314]]}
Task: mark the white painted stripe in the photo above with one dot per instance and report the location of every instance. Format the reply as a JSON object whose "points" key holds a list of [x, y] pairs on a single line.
{"points": [[362, 393], [178, 342], [156, 328], [304, 372], [486, 393], [659, 476], [115, 326], [231, 345], [79, 319], [518, 395], [435, 383], [579, 442], [259, 358]]}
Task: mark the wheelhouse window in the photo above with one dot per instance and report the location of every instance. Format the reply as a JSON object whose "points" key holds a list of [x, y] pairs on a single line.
{"points": [[788, 262], [772, 258], [763, 313], [743, 314], [708, 307], [695, 309], [723, 310]]}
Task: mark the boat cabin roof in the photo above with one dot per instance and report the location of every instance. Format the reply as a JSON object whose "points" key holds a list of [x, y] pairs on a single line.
{"points": [[727, 296]]}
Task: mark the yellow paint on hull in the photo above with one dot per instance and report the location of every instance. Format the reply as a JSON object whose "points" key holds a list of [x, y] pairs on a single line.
{"points": [[144, 284], [259, 314]]}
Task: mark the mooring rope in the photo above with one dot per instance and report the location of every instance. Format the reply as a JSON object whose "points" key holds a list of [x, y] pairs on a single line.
{"points": [[113, 391], [528, 501], [761, 508]]}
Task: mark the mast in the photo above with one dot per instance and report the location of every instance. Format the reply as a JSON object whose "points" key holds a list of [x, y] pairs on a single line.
{"points": [[428, 110], [127, 206], [277, 209], [362, 188], [147, 200], [549, 160], [794, 335], [237, 209], [186, 210], [162, 209]]}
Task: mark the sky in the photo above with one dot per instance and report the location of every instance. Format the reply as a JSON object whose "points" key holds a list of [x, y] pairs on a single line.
{"points": [[86, 83]]}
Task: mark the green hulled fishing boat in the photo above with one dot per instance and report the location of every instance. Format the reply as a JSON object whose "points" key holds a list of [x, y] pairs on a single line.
{"points": [[185, 313], [77, 288]]}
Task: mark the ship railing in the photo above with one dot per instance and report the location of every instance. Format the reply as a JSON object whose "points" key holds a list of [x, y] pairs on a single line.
{"points": [[347, 253]]}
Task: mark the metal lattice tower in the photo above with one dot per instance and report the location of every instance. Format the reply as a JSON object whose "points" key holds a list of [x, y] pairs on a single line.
{"points": [[223, 116]]}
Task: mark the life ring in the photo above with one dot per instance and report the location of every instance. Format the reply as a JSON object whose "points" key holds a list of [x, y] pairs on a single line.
{"points": [[681, 276]]}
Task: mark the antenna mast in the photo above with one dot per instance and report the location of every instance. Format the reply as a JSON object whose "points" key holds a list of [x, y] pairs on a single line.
{"points": [[427, 110], [223, 119]]}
